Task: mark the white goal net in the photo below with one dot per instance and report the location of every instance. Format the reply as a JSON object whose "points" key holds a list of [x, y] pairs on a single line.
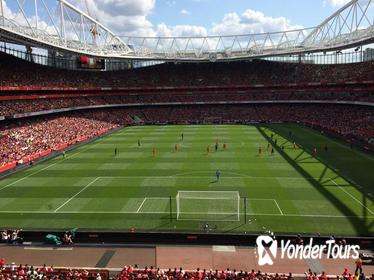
{"points": [[208, 205]]}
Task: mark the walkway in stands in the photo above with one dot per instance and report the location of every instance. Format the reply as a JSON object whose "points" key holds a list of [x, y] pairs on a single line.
{"points": [[187, 257]]}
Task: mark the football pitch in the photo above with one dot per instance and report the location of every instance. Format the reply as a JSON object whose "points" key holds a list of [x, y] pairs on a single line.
{"points": [[289, 191]]}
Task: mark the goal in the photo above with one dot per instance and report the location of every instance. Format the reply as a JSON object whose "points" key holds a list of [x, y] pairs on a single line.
{"points": [[208, 205]]}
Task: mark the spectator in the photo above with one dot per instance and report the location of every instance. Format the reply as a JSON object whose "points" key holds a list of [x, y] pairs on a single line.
{"points": [[358, 263], [67, 238], [5, 236], [15, 238]]}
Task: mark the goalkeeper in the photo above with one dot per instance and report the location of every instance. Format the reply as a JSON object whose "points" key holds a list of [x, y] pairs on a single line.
{"points": [[218, 174]]}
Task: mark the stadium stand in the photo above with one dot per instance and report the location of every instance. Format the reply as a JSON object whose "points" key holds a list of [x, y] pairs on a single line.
{"points": [[170, 74], [21, 106], [29, 272], [130, 272], [27, 138], [236, 92]]}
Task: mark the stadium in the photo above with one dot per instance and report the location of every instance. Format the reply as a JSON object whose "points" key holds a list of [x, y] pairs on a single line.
{"points": [[218, 156]]}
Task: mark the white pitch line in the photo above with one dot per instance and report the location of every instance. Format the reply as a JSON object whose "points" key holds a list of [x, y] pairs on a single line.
{"points": [[71, 198], [141, 205], [81, 212], [21, 179], [280, 210], [359, 202], [49, 248], [309, 215], [210, 176], [166, 212]]}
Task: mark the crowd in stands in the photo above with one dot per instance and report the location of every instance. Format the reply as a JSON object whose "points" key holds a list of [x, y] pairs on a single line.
{"points": [[31, 136], [10, 108], [27, 137], [348, 121], [29, 272], [11, 236], [133, 272], [183, 74]]}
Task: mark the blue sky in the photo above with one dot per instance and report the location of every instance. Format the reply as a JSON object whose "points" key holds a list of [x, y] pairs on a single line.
{"points": [[204, 12], [202, 17]]}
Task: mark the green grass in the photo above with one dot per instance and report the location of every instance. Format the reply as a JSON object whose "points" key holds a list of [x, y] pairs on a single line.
{"points": [[290, 191]]}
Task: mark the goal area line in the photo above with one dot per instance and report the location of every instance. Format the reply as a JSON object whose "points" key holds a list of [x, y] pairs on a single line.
{"points": [[138, 210]]}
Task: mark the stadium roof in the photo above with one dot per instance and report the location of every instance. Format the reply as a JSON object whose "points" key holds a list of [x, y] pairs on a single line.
{"points": [[72, 30]]}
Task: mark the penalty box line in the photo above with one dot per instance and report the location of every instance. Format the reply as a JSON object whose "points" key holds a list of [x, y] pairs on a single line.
{"points": [[280, 210], [141, 205], [94, 181], [354, 198], [71, 198], [148, 198], [267, 199], [91, 183]]}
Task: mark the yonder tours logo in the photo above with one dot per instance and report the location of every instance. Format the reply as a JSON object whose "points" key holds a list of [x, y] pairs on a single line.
{"points": [[267, 250]]}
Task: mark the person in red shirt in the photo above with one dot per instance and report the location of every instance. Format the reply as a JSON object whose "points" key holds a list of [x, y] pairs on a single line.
{"points": [[21, 272], [2, 263], [323, 276], [43, 269], [199, 274], [345, 273], [50, 269], [130, 269]]}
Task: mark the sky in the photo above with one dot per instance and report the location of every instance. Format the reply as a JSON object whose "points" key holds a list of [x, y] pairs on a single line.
{"points": [[202, 17]]}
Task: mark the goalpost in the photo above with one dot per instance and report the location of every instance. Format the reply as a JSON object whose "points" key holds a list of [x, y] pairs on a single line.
{"points": [[208, 205]]}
